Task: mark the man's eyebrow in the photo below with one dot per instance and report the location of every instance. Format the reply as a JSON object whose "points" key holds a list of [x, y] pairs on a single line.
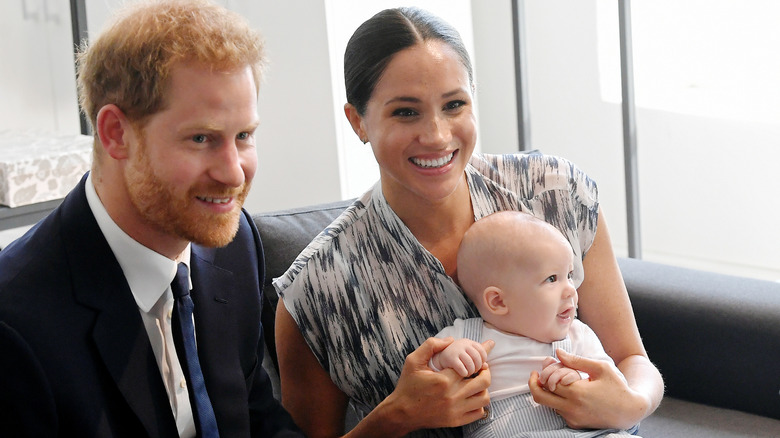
{"points": [[216, 127], [201, 127]]}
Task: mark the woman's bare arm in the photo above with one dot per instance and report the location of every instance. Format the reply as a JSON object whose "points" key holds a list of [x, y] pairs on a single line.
{"points": [[315, 403], [422, 398]]}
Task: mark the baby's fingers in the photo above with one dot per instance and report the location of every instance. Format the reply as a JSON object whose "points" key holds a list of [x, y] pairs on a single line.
{"points": [[549, 370], [570, 378]]}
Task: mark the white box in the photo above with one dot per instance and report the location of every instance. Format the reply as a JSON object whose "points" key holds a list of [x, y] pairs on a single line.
{"points": [[37, 167]]}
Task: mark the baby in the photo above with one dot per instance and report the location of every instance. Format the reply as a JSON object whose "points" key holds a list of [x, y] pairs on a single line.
{"points": [[517, 270]]}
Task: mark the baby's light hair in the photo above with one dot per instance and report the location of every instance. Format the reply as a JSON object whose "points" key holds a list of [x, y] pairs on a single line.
{"points": [[488, 246]]}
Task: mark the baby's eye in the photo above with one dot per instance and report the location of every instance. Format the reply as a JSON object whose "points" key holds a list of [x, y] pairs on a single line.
{"points": [[571, 275], [199, 138], [551, 279]]}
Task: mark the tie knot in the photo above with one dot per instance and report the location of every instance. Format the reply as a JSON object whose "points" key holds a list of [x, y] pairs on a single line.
{"points": [[180, 286]]}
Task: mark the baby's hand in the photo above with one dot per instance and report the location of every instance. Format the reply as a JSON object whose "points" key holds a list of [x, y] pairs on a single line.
{"points": [[464, 356], [554, 374]]}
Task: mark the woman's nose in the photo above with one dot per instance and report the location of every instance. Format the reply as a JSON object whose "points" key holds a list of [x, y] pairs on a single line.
{"points": [[436, 132]]}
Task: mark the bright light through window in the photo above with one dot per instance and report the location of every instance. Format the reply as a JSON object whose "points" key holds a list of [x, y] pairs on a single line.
{"points": [[717, 59]]}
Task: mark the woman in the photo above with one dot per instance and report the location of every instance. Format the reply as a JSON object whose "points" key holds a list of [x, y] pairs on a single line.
{"points": [[382, 279]]}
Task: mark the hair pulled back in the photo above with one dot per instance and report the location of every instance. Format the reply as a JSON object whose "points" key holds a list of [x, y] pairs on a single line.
{"points": [[377, 40]]}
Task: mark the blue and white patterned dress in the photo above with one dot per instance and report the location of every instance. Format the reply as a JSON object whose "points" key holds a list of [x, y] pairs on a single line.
{"points": [[365, 293]]}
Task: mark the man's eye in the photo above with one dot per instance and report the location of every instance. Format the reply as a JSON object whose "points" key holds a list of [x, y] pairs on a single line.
{"points": [[243, 136], [200, 138]]}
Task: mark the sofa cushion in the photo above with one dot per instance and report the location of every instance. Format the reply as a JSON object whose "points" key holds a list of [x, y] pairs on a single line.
{"points": [[677, 418], [715, 338]]}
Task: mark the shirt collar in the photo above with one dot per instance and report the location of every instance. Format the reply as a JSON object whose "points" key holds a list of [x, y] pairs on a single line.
{"points": [[148, 273]]}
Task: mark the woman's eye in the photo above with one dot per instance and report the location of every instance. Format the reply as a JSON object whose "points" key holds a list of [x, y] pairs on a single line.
{"points": [[199, 138], [404, 112], [455, 104], [552, 279]]}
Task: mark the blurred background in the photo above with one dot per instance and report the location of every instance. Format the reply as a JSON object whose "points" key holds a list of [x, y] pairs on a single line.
{"points": [[706, 86]]}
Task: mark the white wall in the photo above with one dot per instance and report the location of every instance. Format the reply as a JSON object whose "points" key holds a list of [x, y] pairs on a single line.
{"points": [[298, 157], [568, 116], [494, 63], [707, 185], [37, 86]]}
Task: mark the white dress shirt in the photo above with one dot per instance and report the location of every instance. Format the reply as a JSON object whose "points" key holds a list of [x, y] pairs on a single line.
{"points": [[149, 275]]}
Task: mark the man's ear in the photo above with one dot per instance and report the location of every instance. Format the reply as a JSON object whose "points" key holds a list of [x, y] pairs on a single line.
{"points": [[111, 126], [356, 120], [494, 300]]}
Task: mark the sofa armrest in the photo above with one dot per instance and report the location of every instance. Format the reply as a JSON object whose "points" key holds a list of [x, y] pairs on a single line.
{"points": [[715, 338]]}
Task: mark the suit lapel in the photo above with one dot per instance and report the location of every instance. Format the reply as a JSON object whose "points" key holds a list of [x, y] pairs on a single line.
{"points": [[217, 335], [119, 334], [212, 290]]}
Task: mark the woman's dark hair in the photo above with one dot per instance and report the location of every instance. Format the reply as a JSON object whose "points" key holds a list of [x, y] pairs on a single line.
{"points": [[377, 40]]}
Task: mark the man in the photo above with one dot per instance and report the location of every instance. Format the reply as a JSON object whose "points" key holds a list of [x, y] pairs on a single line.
{"points": [[90, 343]]}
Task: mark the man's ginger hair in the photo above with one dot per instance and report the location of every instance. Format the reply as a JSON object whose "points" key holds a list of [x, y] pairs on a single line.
{"points": [[130, 62]]}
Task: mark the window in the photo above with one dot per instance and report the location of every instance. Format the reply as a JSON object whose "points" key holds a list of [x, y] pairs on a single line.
{"points": [[708, 123]]}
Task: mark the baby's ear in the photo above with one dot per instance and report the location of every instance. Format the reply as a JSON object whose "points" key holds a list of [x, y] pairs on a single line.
{"points": [[494, 300]]}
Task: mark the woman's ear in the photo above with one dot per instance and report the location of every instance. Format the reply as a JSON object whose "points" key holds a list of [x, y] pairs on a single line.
{"points": [[494, 300], [356, 120], [111, 126]]}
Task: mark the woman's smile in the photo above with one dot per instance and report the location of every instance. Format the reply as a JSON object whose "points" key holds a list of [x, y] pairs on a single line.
{"points": [[433, 163]]}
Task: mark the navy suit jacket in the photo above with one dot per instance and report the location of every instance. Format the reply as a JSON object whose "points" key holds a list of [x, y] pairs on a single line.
{"points": [[75, 359]]}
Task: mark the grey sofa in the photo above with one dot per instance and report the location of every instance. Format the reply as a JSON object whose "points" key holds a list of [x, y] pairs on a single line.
{"points": [[715, 338]]}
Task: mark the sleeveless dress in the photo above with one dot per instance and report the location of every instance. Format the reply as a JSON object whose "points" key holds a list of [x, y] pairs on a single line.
{"points": [[365, 293]]}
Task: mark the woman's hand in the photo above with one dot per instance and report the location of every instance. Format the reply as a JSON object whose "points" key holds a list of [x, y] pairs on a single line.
{"points": [[601, 402], [425, 399]]}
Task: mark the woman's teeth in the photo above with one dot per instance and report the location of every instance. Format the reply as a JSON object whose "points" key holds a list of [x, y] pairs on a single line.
{"points": [[431, 164]]}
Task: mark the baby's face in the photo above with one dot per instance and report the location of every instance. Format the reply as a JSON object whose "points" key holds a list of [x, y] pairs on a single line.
{"points": [[542, 300]]}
